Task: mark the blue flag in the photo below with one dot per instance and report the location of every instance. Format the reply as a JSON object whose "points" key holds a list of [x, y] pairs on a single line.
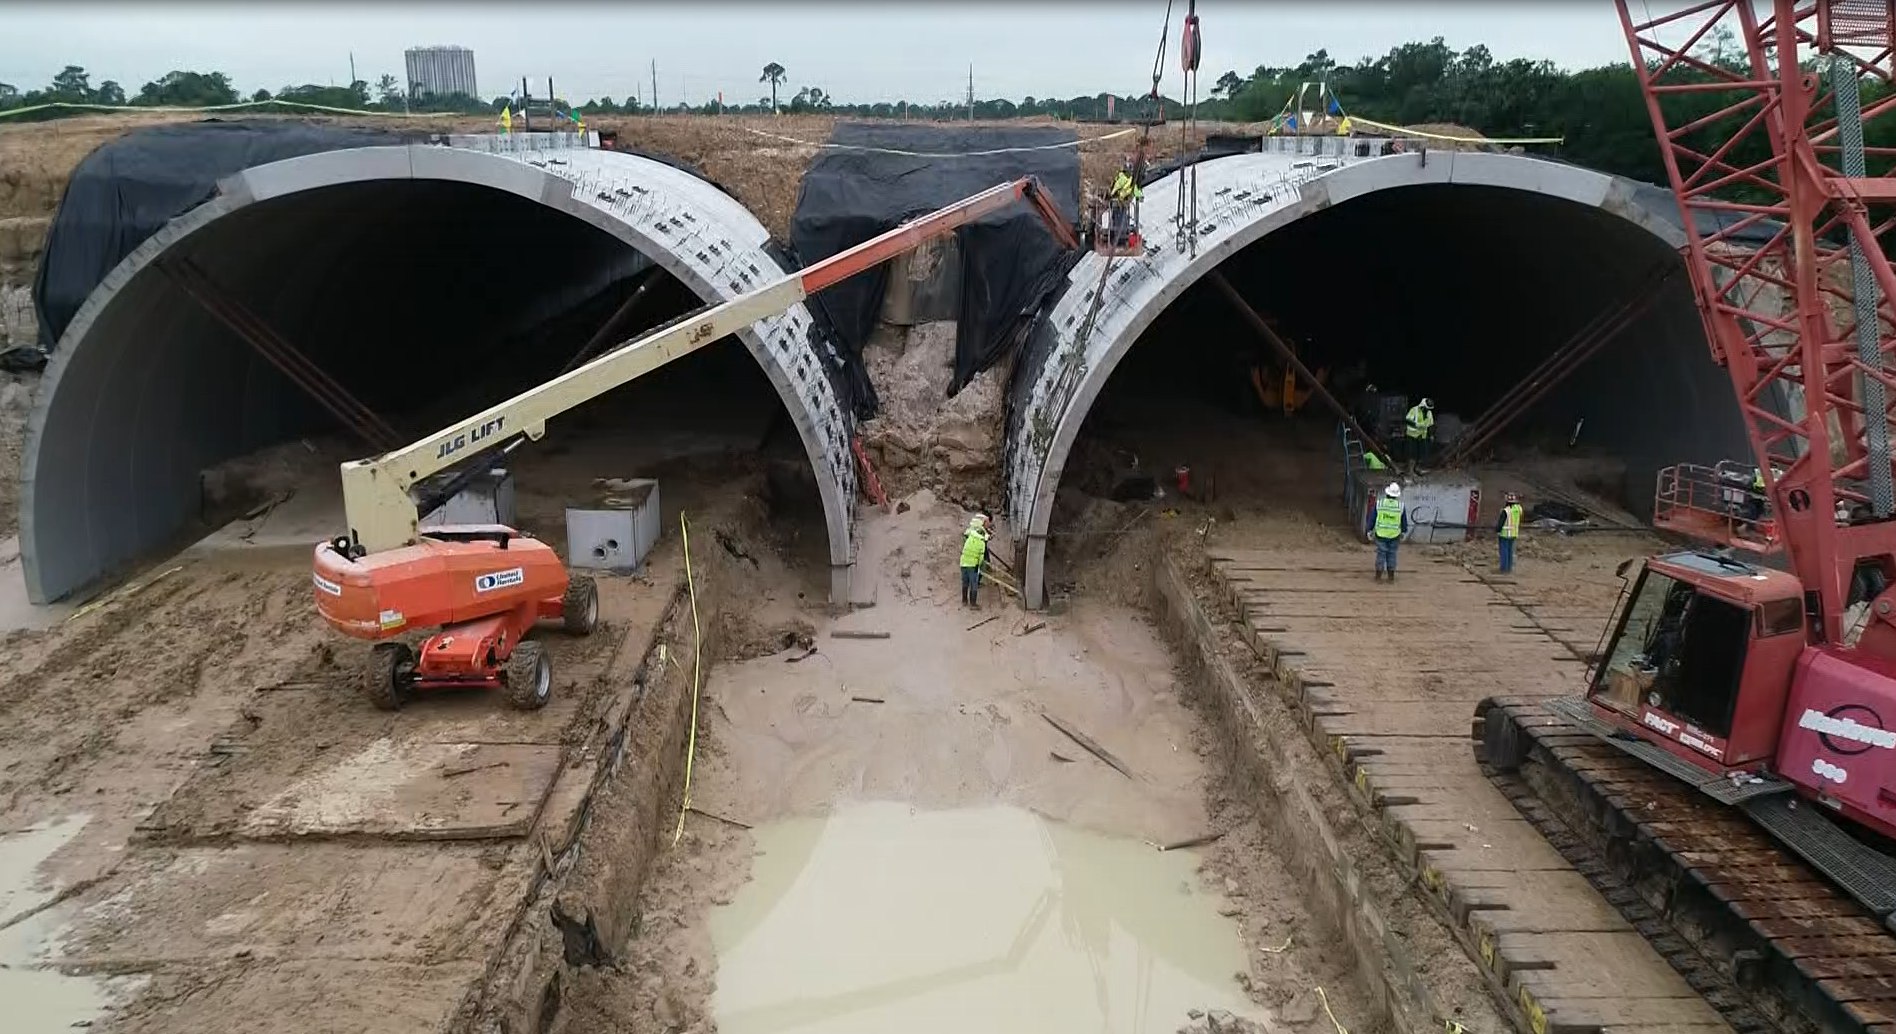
{"points": [[1335, 108], [1290, 122]]}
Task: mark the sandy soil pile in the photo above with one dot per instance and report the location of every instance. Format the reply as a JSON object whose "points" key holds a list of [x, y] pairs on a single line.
{"points": [[920, 437], [760, 159]]}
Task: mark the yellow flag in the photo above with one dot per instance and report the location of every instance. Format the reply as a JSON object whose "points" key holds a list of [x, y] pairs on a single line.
{"points": [[506, 119]]}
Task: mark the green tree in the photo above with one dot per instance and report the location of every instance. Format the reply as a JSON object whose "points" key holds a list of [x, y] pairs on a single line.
{"points": [[110, 92], [388, 91], [188, 90], [73, 85], [773, 74]]}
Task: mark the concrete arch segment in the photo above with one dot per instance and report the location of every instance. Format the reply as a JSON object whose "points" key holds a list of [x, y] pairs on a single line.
{"points": [[127, 416], [1241, 199]]}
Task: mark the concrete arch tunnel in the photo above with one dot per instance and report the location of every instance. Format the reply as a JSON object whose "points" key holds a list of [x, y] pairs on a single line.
{"points": [[338, 249], [1580, 241]]}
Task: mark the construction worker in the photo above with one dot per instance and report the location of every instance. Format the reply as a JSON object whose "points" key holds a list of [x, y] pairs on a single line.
{"points": [[1753, 509], [1418, 428], [1507, 529], [1373, 462], [1125, 191], [973, 555], [1389, 523]]}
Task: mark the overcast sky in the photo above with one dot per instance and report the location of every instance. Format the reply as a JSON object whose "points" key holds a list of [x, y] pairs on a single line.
{"points": [[856, 51]]}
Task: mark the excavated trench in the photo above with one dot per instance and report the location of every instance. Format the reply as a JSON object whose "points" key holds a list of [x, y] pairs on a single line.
{"points": [[427, 300], [1450, 291]]}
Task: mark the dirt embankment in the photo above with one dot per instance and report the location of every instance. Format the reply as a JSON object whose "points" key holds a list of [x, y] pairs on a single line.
{"points": [[921, 438]]}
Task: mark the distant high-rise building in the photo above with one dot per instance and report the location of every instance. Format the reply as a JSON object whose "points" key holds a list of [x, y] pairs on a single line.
{"points": [[441, 71]]}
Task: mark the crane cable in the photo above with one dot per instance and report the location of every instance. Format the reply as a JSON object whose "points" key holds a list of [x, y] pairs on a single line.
{"points": [[1190, 46], [1155, 106]]}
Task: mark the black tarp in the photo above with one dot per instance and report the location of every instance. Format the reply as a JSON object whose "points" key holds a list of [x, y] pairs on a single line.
{"points": [[1010, 264], [126, 190]]}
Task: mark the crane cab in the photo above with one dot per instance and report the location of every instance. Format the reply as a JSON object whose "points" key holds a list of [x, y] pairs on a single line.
{"points": [[1701, 659]]}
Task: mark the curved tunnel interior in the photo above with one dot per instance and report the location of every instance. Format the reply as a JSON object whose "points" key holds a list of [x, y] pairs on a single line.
{"points": [[426, 300], [1455, 292]]}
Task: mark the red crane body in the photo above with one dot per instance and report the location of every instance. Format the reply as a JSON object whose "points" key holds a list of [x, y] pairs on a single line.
{"points": [[1749, 674]]}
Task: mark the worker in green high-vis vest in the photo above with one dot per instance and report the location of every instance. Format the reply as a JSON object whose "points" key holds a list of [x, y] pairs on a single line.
{"points": [[1507, 529], [1388, 523], [973, 552]]}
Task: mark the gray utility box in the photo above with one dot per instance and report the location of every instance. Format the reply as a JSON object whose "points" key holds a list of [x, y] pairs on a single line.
{"points": [[617, 532], [487, 499], [1442, 507]]}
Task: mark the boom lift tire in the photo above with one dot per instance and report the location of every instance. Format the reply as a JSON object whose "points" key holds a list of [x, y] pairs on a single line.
{"points": [[579, 608], [529, 676], [385, 676]]}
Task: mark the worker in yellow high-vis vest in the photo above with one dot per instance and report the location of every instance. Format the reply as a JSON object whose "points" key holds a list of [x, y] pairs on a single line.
{"points": [[973, 554], [1388, 523], [1418, 430], [1507, 529]]}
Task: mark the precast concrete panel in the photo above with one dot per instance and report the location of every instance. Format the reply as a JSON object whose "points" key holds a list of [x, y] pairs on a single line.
{"points": [[1240, 199], [134, 404]]}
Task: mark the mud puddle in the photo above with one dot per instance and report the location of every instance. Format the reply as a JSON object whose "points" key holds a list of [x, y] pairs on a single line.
{"points": [[38, 999], [881, 917]]}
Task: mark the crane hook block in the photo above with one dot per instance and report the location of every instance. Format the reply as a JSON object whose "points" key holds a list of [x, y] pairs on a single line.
{"points": [[1189, 44]]}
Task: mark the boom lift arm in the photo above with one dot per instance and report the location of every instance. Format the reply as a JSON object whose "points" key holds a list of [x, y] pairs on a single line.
{"points": [[377, 492]]}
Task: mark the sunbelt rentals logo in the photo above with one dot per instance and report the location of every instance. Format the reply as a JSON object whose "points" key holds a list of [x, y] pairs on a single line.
{"points": [[499, 579]]}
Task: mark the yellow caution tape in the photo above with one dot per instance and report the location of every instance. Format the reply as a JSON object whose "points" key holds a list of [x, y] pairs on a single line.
{"points": [[1406, 131], [1325, 999], [130, 590], [697, 667]]}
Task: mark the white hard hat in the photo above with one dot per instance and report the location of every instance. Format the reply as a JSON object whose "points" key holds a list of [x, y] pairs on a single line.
{"points": [[1394, 491], [1428, 403]]}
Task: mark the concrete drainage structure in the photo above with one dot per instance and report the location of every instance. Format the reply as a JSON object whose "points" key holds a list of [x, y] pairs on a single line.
{"points": [[146, 390], [1242, 199]]}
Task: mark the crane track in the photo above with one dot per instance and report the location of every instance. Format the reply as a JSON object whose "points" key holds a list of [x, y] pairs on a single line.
{"points": [[1769, 943]]}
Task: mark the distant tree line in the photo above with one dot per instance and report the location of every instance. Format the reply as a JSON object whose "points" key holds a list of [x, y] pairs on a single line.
{"points": [[73, 85], [1599, 112]]}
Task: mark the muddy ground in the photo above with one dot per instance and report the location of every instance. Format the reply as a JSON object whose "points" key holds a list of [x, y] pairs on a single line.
{"points": [[947, 713], [207, 727]]}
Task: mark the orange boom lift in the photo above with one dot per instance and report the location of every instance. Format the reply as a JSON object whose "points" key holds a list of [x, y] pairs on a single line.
{"points": [[485, 587]]}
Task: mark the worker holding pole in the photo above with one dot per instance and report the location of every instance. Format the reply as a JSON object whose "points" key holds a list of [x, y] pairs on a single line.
{"points": [[973, 555], [1388, 524], [1507, 529], [1418, 427]]}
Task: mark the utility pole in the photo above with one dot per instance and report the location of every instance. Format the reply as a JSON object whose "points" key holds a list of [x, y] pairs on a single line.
{"points": [[352, 68], [552, 113], [970, 91], [654, 86], [526, 105]]}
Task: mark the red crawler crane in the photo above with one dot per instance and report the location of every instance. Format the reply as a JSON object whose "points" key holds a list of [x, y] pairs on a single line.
{"points": [[1761, 687]]}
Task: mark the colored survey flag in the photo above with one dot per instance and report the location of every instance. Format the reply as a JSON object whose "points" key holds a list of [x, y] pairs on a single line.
{"points": [[506, 119], [1335, 108]]}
